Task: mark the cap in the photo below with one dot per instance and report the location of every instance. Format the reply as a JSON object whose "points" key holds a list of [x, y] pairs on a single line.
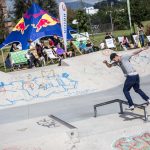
{"points": [[112, 56]]}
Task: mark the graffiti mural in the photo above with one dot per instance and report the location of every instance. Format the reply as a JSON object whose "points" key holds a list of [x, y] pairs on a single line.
{"points": [[143, 58], [141, 142], [31, 87], [49, 123]]}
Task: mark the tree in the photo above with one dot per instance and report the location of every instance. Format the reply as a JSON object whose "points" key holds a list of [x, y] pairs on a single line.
{"points": [[118, 11], [83, 20], [49, 5], [120, 16], [20, 8], [71, 15], [3, 17], [139, 11]]}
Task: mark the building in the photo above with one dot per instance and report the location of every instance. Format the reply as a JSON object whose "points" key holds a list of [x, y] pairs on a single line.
{"points": [[91, 10]]}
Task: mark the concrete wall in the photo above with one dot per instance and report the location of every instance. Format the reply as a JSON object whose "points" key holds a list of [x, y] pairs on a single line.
{"points": [[83, 75]]}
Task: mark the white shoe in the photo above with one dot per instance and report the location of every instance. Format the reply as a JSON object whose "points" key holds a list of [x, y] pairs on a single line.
{"points": [[148, 101], [130, 108]]}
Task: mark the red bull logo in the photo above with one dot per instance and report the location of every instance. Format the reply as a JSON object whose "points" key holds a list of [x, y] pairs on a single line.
{"points": [[45, 21], [21, 27]]}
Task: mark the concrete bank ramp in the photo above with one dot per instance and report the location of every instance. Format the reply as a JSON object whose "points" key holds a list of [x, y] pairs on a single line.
{"points": [[111, 132], [42, 133], [78, 76]]}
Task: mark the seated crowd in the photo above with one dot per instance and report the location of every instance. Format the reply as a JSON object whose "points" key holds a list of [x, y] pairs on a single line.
{"points": [[40, 52], [123, 41], [86, 47]]}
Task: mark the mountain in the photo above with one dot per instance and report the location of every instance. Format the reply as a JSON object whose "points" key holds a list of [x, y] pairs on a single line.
{"points": [[77, 5]]}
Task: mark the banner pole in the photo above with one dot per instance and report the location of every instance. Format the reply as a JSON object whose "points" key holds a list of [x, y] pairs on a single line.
{"points": [[63, 22]]}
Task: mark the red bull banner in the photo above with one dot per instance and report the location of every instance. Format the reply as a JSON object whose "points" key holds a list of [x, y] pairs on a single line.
{"points": [[37, 23], [63, 22], [21, 27]]}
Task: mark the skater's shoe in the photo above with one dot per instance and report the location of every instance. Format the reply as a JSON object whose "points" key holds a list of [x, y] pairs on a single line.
{"points": [[148, 101], [130, 108]]}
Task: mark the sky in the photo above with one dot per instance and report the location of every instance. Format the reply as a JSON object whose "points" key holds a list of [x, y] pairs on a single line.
{"points": [[86, 1]]}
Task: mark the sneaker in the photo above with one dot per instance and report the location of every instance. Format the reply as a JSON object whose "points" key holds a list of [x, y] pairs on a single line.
{"points": [[148, 101], [130, 108]]}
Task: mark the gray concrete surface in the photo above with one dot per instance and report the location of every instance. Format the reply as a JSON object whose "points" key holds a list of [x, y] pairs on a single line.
{"points": [[73, 108]]}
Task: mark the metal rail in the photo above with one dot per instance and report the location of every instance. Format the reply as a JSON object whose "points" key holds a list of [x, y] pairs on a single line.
{"points": [[62, 122], [121, 102]]}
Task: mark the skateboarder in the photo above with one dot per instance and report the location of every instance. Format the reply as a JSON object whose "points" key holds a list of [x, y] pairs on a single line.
{"points": [[132, 77]]}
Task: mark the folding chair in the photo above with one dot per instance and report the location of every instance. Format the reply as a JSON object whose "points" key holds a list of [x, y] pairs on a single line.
{"points": [[18, 58], [110, 43], [50, 55], [120, 39], [148, 38], [136, 41]]}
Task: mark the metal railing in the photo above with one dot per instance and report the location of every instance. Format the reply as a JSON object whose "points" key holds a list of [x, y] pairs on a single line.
{"points": [[121, 102]]}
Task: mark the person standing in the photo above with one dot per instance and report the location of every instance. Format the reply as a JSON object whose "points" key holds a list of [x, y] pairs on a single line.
{"points": [[132, 77], [140, 30]]}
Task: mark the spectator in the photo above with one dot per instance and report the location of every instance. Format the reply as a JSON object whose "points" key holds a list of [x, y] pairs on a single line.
{"points": [[34, 55], [82, 47], [31, 44], [140, 30], [43, 45], [8, 63], [13, 47], [56, 40], [108, 36], [61, 52], [19, 46], [30, 59], [102, 45], [89, 46], [71, 48], [125, 42], [39, 50], [40, 54], [51, 43]]}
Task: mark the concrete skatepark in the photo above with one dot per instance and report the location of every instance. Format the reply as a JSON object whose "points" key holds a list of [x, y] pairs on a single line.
{"points": [[69, 93]]}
